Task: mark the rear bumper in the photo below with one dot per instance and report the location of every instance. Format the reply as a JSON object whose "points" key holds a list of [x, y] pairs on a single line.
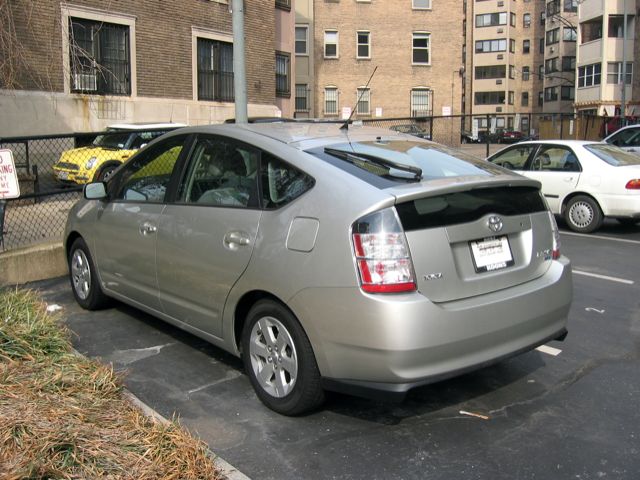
{"points": [[621, 205], [392, 343]]}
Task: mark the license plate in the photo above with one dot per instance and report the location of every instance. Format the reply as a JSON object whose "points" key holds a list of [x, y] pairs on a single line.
{"points": [[63, 175], [490, 254]]}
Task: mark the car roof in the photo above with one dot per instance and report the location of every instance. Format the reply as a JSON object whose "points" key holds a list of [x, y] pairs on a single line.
{"points": [[627, 127], [145, 126], [568, 143]]}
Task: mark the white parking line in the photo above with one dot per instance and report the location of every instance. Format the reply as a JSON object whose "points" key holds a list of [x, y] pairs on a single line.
{"points": [[604, 277], [602, 237], [549, 350]]}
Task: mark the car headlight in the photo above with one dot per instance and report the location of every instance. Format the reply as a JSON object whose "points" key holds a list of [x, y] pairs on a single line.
{"points": [[90, 163]]}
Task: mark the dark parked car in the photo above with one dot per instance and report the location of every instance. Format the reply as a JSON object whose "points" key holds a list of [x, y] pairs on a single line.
{"points": [[510, 136], [412, 129]]}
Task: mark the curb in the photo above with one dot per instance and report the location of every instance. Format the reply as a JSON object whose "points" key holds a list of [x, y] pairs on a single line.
{"points": [[33, 263], [228, 471]]}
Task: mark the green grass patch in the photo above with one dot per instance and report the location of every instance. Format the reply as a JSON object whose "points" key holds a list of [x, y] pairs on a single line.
{"points": [[64, 416]]}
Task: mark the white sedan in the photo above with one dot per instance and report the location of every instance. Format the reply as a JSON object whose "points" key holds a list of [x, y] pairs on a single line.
{"points": [[583, 181]]}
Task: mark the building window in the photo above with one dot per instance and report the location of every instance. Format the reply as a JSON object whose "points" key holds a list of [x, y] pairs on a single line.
{"points": [[512, 71], [526, 20], [551, 94], [616, 26], [509, 123], [421, 48], [553, 36], [525, 74], [513, 19], [330, 101], [491, 19], [526, 46], [420, 102], [591, 30], [363, 48], [614, 73], [500, 122], [541, 46], [512, 46], [511, 97], [568, 64], [589, 75], [543, 17], [569, 34], [567, 93], [215, 70], [524, 100], [283, 74], [551, 65], [421, 4], [99, 57], [330, 44], [487, 46], [489, 98], [491, 71], [283, 4], [302, 40], [524, 124], [302, 97], [540, 99], [364, 101], [540, 72], [553, 7], [570, 5]]}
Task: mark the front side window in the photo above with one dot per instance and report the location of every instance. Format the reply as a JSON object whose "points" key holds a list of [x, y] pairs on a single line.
{"points": [[363, 40], [221, 173], [364, 101], [302, 40], [514, 158], [421, 48], [420, 102], [99, 57], [283, 74], [146, 176], [215, 70], [331, 101], [331, 44]]}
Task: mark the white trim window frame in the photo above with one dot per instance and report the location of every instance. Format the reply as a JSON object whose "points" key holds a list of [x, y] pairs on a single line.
{"points": [[361, 45], [97, 15], [421, 4], [420, 46], [331, 103], [363, 97], [300, 41], [331, 43]]}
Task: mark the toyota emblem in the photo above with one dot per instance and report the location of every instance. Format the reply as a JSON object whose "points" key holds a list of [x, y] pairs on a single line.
{"points": [[495, 223]]}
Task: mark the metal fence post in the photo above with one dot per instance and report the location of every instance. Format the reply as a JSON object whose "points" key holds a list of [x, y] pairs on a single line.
{"points": [[561, 127], [487, 135], [3, 207]]}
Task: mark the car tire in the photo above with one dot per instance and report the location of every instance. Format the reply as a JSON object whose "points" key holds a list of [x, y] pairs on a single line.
{"points": [[583, 214], [84, 280], [106, 172], [279, 360]]}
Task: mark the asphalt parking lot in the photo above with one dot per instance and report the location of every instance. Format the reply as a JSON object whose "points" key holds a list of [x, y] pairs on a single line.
{"points": [[570, 410]]}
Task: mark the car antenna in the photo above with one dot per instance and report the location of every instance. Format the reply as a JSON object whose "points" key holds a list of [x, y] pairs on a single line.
{"points": [[345, 125]]}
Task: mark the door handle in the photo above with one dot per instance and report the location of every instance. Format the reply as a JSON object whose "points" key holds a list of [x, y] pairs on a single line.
{"points": [[148, 228], [568, 179], [234, 239]]}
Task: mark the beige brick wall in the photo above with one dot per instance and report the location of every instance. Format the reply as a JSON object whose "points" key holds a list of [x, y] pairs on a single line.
{"points": [[391, 24]]}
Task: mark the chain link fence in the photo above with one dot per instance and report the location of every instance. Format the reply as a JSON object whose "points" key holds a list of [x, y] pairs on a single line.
{"points": [[52, 169]]}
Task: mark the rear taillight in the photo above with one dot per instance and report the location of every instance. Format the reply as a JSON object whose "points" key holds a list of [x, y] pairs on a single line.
{"points": [[633, 184], [555, 232], [382, 254]]}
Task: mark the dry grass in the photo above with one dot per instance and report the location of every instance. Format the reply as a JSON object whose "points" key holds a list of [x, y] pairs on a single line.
{"points": [[63, 416]]}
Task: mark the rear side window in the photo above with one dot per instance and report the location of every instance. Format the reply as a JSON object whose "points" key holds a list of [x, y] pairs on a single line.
{"points": [[281, 183], [468, 206]]}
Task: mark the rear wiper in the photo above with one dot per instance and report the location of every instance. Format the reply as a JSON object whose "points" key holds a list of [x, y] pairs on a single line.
{"points": [[365, 158]]}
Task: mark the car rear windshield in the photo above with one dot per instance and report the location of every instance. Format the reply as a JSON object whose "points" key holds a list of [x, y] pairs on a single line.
{"points": [[435, 161], [468, 206], [613, 155]]}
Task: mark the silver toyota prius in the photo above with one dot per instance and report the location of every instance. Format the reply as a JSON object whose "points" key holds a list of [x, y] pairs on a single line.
{"points": [[360, 260]]}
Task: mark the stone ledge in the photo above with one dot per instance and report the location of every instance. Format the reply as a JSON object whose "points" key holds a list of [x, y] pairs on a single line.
{"points": [[29, 264]]}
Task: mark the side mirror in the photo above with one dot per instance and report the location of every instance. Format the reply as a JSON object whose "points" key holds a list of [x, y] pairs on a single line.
{"points": [[95, 191]]}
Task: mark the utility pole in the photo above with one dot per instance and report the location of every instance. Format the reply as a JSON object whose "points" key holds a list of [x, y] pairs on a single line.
{"points": [[623, 68], [239, 72]]}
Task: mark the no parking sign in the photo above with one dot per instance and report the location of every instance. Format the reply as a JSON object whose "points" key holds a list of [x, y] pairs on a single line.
{"points": [[9, 186]]}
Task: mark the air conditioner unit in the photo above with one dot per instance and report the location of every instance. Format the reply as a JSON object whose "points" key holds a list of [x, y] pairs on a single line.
{"points": [[85, 81], [500, 56], [498, 109], [552, 49], [498, 82], [501, 30]]}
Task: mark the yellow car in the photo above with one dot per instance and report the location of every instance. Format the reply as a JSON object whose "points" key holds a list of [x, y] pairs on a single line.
{"points": [[98, 161]]}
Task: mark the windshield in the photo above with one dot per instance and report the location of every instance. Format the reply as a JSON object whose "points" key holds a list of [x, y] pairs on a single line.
{"points": [[433, 160], [112, 140], [613, 155]]}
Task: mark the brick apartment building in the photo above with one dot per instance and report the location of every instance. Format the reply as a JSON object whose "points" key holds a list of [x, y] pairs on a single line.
{"points": [[417, 46], [85, 64]]}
